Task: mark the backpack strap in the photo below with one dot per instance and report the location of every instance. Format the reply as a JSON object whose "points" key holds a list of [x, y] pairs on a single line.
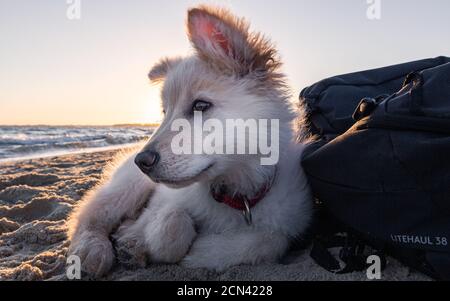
{"points": [[415, 79], [351, 254], [328, 233]]}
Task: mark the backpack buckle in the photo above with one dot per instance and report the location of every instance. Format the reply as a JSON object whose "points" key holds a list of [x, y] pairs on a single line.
{"points": [[365, 108]]}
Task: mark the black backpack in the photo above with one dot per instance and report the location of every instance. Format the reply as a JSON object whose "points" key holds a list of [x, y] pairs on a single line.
{"points": [[380, 165]]}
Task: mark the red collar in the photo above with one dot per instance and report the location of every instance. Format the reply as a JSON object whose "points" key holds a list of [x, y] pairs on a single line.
{"points": [[238, 201]]}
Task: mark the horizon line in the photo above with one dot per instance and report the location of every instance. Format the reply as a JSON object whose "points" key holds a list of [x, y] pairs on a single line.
{"points": [[151, 124]]}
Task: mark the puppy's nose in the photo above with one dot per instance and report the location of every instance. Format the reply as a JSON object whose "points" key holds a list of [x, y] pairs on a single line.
{"points": [[146, 161]]}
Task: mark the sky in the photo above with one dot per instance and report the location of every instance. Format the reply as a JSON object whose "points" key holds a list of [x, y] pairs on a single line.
{"points": [[93, 70]]}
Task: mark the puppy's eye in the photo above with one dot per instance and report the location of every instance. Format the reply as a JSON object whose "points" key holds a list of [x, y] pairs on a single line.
{"points": [[201, 106]]}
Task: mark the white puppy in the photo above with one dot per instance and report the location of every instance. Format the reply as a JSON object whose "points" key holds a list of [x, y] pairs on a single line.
{"points": [[203, 211]]}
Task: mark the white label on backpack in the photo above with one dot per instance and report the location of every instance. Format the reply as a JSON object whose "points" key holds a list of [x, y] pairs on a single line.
{"points": [[420, 240]]}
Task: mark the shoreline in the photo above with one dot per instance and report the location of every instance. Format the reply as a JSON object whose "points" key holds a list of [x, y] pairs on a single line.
{"points": [[63, 153]]}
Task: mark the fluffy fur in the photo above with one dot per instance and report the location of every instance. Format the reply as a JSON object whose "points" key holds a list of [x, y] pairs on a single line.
{"points": [[169, 215]]}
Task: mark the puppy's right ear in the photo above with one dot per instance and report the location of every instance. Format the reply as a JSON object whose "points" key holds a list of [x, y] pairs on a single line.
{"points": [[160, 69]]}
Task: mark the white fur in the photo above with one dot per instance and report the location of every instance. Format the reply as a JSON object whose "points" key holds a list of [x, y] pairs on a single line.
{"points": [[180, 222]]}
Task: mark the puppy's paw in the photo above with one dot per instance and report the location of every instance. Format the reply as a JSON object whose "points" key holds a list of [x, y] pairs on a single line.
{"points": [[195, 262], [131, 251], [204, 255], [169, 239], [95, 252], [198, 261]]}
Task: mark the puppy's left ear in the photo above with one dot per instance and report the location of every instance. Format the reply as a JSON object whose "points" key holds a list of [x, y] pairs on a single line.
{"points": [[225, 41], [160, 69]]}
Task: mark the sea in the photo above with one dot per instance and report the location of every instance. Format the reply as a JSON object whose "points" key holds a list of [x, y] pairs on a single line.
{"points": [[31, 142]]}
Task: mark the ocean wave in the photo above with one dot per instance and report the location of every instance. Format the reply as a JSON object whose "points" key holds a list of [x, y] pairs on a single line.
{"points": [[20, 141]]}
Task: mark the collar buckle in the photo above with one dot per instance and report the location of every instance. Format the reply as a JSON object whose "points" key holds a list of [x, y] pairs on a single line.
{"points": [[247, 212]]}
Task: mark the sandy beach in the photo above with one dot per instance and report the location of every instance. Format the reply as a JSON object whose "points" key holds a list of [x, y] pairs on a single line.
{"points": [[37, 195]]}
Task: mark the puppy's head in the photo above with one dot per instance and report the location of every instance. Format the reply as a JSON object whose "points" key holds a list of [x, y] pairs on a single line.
{"points": [[233, 75]]}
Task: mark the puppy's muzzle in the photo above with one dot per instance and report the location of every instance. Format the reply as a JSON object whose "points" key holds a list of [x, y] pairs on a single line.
{"points": [[147, 160]]}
